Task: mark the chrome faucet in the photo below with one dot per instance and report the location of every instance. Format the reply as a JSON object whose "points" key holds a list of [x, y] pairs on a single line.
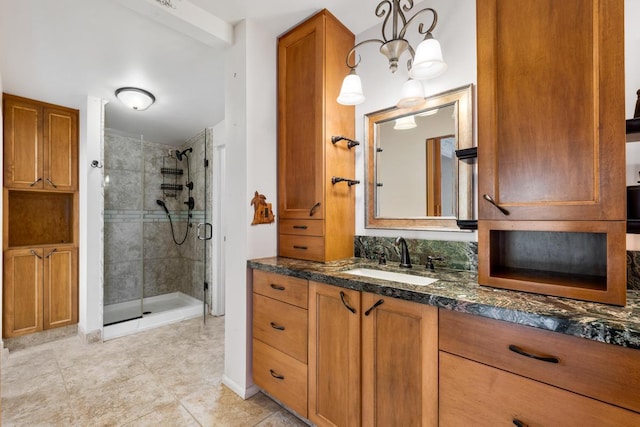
{"points": [[405, 260]]}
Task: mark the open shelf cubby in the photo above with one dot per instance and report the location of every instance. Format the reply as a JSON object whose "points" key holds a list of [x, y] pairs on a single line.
{"points": [[582, 261], [40, 218]]}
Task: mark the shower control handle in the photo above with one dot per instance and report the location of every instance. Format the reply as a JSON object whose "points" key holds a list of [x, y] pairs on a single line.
{"points": [[208, 231]]}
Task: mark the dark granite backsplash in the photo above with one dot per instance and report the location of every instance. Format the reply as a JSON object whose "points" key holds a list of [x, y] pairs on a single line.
{"points": [[457, 255]]}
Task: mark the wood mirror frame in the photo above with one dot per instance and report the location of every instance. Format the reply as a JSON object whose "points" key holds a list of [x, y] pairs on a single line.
{"points": [[462, 100]]}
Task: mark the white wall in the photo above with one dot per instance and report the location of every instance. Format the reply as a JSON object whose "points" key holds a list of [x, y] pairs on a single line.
{"points": [[91, 221], [456, 32], [250, 117]]}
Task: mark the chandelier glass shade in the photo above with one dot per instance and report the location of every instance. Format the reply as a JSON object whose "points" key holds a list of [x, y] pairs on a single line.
{"points": [[425, 62]]}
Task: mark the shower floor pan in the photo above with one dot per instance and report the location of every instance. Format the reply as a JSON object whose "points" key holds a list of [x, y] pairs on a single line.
{"points": [[161, 309]]}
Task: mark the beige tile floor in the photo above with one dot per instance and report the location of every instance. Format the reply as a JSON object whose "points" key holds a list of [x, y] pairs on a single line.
{"points": [[169, 376]]}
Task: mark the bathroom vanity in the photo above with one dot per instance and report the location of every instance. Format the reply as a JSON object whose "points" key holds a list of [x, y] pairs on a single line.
{"points": [[449, 352]]}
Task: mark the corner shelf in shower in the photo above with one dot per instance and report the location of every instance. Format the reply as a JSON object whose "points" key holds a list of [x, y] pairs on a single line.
{"points": [[170, 189]]}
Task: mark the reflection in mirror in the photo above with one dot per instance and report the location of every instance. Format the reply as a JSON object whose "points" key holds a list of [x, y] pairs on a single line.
{"points": [[414, 178]]}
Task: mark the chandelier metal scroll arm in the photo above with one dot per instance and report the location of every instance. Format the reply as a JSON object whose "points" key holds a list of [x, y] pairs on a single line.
{"points": [[421, 26], [382, 12], [353, 50]]}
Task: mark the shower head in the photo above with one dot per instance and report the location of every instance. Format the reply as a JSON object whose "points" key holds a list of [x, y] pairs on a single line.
{"points": [[179, 153], [161, 203]]}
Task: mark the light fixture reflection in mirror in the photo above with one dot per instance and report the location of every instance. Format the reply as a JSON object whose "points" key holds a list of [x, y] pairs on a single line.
{"points": [[414, 179]]}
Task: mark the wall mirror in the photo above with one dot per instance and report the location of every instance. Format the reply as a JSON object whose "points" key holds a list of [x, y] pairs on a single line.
{"points": [[414, 178]]}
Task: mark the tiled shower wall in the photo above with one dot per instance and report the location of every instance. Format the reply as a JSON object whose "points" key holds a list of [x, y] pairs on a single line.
{"points": [[456, 255], [141, 258]]}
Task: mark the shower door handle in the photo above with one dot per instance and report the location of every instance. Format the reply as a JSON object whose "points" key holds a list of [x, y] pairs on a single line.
{"points": [[208, 231]]}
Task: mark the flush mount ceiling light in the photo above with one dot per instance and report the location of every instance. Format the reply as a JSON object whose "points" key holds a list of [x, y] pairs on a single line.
{"points": [[425, 62], [135, 98]]}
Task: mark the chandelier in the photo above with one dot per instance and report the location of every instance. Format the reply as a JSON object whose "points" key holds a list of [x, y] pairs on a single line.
{"points": [[426, 61]]}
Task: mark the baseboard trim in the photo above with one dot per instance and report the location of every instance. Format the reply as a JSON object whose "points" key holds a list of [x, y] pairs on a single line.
{"points": [[243, 392]]}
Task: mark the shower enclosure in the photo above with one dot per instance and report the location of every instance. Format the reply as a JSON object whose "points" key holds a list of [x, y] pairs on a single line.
{"points": [[156, 231]]}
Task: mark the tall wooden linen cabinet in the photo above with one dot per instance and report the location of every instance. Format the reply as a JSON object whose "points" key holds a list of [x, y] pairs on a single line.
{"points": [[551, 133], [316, 217], [40, 197]]}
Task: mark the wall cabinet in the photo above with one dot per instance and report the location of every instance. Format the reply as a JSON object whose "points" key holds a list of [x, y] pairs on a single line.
{"points": [[316, 218], [40, 145], [551, 137], [40, 289], [497, 373], [388, 344], [40, 216]]}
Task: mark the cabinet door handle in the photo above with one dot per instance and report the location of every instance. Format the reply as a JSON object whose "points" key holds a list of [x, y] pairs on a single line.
{"points": [[379, 302], [34, 253], [489, 199], [275, 375], [51, 183], [313, 209], [277, 287], [35, 182], [50, 253], [518, 423], [550, 359], [300, 227], [304, 248], [276, 326], [351, 309]]}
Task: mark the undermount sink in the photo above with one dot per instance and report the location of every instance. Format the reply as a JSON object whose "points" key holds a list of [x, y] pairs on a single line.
{"points": [[392, 276]]}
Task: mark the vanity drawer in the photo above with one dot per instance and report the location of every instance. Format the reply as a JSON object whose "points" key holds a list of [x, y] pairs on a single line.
{"points": [[288, 289], [302, 227], [603, 371], [475, 394], [301, 247], [281, 325], [280, 375]]}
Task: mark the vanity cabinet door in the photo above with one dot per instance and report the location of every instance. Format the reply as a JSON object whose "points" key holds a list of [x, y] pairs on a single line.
{"points": [[22, 292], [334, 355], [399, 362], [551, 129]]}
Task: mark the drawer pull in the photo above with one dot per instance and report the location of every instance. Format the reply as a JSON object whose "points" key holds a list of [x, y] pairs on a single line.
{"points": [[275, 375], [379, 302], [313, 209], [300, 227], [351, 309], [520, 351], [277, 287], [489, 199], [304, 248], [276, 326], [519, 423]]}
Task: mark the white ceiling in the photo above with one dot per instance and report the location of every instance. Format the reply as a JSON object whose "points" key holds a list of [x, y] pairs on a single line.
{"points": [[61, 51]]}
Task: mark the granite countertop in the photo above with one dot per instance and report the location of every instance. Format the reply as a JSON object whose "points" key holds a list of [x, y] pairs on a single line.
{"points": [[458, 290]]}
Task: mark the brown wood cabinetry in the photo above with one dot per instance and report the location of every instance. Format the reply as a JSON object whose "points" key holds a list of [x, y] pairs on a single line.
{"points": [[310, 72], [399, 362], [551, 146], [40, 145], [494, 373], [40, 289], [40, 216], [334, 356], [280, 338]]}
